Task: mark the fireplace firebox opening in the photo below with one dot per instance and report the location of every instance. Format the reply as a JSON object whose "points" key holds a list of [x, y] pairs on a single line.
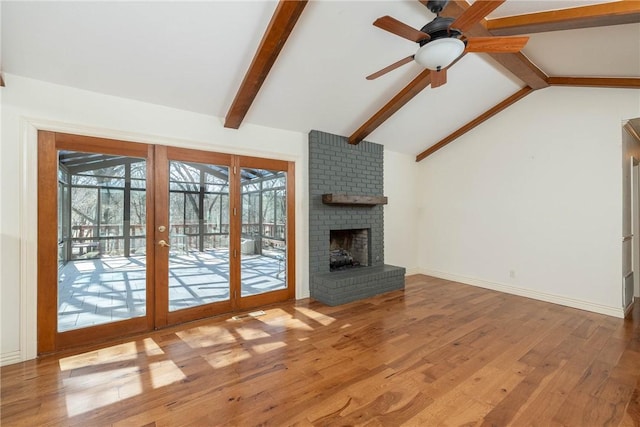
{"points": [[348, 248]]}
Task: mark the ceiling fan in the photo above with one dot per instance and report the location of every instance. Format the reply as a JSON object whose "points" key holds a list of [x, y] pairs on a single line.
{"points": [[442, 41]]}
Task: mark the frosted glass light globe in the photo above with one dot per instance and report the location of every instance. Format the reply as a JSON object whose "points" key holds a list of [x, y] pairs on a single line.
{"points": [[439, 53]]}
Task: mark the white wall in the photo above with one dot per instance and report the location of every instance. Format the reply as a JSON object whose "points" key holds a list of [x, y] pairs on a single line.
{"points": [[401, 212], [530, 202]]}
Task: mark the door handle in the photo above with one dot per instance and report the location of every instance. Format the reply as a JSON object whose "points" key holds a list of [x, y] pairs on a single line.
{"points": [[164, 244]]}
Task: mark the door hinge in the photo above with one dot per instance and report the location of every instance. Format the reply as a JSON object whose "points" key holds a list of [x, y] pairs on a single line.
{"points": [[235, 211], [235, 253], [235, 170]]}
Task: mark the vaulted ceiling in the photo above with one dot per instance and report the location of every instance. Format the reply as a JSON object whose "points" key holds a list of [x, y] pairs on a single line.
{"points": [[302, 66]]}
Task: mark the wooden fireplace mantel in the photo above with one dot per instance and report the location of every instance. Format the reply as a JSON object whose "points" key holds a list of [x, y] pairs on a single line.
{"points": [[354, 200]]}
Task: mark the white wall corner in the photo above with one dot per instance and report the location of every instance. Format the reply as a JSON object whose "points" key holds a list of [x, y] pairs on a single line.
{"points": [[28, 246], [413, 271]]}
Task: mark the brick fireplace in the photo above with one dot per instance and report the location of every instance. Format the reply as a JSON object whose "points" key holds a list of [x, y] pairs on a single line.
{"points": [[356, 221]]}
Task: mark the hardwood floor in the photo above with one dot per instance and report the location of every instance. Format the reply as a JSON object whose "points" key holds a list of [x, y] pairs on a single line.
{"points": [[438, 353]]}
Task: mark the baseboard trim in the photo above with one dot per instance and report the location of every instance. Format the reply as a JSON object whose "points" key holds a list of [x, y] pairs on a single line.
{"points": [[412, 271], [528, 293], [10, 358]]}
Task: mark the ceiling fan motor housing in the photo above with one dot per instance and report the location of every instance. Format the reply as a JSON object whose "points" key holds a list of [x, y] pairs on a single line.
{"points": [[436, 6], [439, 28]]}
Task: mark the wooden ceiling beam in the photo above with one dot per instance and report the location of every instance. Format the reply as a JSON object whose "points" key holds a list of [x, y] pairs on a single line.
{"points": [[605, 82], [475, 122], [282, 22], [405, 95], [520, 66], [475, 13], [611, 82], [516, 63], [596, 15]]}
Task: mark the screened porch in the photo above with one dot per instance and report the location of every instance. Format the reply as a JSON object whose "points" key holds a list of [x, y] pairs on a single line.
{"points": [[103, 225]]}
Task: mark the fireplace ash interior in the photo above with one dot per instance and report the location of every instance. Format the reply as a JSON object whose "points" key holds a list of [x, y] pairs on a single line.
{"points": [[348, 249]]}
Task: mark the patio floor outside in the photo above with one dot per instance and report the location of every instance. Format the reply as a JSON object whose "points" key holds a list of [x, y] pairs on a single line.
{"points": [[97, 291]]}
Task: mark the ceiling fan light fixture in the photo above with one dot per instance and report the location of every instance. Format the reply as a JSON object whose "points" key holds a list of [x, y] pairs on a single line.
{"points": [[439, 53]]}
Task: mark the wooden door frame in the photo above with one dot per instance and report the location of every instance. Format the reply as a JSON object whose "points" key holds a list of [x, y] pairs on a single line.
{"points": [[290, 291], [236, 301], [165, 317], [49, 339], [48, 143]]}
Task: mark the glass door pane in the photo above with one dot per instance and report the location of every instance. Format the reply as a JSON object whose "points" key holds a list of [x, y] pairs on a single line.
{"points": [[263, 242], [198, 234], [101, 239]]}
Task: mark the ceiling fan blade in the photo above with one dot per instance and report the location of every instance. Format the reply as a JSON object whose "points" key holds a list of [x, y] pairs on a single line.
{"points": [[400, 29], [475, 13], [496, 44], [438, 78], [391, 67]]}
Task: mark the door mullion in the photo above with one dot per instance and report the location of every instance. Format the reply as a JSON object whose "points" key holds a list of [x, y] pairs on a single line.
{"points": [[150, 237], [161, 174], [235, 231]]}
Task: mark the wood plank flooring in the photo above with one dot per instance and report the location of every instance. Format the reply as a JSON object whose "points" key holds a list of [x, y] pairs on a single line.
{"points": [[438, 353]]}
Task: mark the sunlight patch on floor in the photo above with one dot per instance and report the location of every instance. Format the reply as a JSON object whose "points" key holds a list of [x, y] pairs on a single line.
{"points": [[206, 336], [281, 318], [323, 319], [228, 357], [164, 373], [116, 353], [253, 314], [289, 323], [151, 348], [267, 347], [247, 333], [107, 388], [117, 373]]}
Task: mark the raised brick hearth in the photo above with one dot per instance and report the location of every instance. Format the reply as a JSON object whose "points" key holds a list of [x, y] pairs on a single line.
{"points": [[337, 167]]}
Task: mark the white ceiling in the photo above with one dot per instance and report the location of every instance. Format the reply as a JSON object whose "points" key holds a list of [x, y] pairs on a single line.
{"points": [[193, 56]]}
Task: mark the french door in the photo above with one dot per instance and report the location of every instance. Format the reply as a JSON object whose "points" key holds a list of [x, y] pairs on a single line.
{"points": [[151, 236]]}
